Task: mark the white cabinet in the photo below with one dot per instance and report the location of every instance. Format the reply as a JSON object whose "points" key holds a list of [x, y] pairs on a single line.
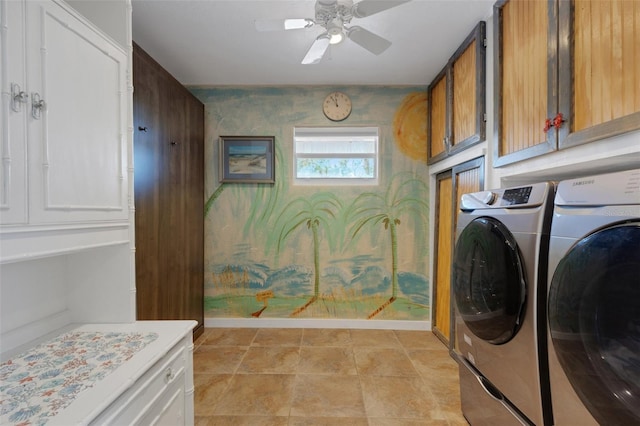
{"points": [[151, 385], [66, 196], [13, 119], [64, 121]]}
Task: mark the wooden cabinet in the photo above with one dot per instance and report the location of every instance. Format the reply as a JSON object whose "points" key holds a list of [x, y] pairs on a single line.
{"points": [[450, 185], [456, 100], [169, 195], [564, 74]]}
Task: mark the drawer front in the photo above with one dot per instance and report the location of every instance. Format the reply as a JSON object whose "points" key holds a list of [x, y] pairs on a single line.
{"points": [[168, 410], [149, 391]]}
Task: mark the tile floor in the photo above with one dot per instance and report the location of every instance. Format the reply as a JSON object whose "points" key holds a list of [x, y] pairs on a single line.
{"points": [[324, 377]]}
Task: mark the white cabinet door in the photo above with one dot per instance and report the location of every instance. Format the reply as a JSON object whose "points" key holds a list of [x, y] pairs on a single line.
{"points": [[13, 124], [77, 146]]}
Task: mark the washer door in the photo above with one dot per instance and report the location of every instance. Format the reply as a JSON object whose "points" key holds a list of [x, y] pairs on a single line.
{"points": [[594, 319], [488, 280]]}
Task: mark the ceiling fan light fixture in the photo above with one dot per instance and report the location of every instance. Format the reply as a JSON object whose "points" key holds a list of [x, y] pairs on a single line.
{"points": [[335, 31], [336, 38]]}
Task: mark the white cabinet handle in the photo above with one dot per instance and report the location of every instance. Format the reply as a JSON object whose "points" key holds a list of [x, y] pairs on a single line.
{"points": [[17, 97], [168, 375], [37, 105]]}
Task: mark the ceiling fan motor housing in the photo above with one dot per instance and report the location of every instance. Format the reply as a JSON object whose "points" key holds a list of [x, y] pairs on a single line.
{"points": [[331, 13]]}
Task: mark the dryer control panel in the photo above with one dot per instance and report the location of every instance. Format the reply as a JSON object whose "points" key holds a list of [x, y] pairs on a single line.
{"points": [[516, 197], [609, 189]]}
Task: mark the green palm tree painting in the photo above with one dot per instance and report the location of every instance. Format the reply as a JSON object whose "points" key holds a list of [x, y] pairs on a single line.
{"points": [[317, 213], [406, 194]]}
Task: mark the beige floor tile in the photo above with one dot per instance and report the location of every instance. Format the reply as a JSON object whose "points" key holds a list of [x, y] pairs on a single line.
{"points": [[373, 421], [208, 390], [242, 421], [270, 359], [456, 418], [414, 339], [327, 360], [383, 362], [399, 397], [257, 395], [434, 365], [327, 396], [326, 337], [229, 336], [217, 360], [277, 377], [278, 337], [328, 421], [375, 338]]}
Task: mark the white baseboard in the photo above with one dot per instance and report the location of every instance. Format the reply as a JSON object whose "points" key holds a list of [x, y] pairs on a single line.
{"points": [[315, 323]]}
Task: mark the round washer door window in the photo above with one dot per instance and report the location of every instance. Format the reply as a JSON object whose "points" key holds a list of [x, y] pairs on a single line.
{"points": [[488, 280], [594, 319]]}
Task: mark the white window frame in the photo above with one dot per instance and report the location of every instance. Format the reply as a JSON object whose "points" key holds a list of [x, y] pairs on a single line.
{"points": [[337, 135]]}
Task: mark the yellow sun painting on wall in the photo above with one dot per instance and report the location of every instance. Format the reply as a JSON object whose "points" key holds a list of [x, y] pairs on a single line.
{"points": [[410, 126]]}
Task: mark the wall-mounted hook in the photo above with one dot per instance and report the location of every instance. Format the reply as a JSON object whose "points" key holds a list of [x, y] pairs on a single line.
{"points": [[142, 129]]}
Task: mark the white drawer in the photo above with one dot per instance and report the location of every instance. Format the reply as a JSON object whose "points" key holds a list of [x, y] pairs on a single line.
{"points": [[155, 390]]}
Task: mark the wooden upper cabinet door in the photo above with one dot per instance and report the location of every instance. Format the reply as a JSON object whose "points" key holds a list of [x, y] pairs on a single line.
{"points": [[468, 96], [457, 99], [437, 119], [599, 68], [525, 79]]}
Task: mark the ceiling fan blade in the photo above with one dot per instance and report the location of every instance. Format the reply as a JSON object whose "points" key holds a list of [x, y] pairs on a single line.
{"points": [[370, 7], [370, 41], [282, 24], [317, 50]]}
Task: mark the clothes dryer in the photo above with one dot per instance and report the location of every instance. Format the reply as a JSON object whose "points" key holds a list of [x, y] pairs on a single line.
{"points": [[594, 301], [499, 275]]}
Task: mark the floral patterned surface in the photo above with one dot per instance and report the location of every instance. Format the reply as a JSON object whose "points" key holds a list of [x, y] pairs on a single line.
{"points": [[41, 382]]}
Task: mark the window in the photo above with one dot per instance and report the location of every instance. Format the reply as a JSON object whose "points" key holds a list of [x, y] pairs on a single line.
{"points": [[335, 155]]}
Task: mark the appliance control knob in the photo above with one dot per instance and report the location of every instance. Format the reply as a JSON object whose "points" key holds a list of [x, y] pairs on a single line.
{"points": [[487, 197]]}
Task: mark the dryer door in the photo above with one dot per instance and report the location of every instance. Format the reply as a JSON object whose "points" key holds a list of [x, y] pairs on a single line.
{"points": [[488, 280], [594, 320]]}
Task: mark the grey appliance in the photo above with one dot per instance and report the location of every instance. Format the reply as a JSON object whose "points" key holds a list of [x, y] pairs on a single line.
{"points": [[594, 301], [499, 276]]}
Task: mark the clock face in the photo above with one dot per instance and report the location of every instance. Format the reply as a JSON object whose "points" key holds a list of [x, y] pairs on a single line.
{"points": [[337, 106]]}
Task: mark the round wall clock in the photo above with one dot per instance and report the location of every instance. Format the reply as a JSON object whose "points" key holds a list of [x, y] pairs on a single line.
{"points": [[336, 106]]}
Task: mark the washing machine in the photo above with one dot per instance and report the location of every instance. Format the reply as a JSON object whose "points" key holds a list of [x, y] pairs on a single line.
{"points": [[499, 276], [594, 301]]}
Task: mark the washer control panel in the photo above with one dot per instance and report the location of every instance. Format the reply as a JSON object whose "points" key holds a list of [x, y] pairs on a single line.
{"points": [[516, 197]]}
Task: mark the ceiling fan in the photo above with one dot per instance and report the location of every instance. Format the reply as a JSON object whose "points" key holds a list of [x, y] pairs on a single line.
{"points": [[333, 16]]}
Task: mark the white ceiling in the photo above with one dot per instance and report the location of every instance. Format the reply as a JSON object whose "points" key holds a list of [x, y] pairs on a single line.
{"points": [[214, 42]]}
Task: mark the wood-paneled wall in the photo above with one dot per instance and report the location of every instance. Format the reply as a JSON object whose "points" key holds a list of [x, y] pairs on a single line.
{"points": [[169, 195]]}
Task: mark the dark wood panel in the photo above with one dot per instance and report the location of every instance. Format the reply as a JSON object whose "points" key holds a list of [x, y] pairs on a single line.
{"points": [[169, 191]]}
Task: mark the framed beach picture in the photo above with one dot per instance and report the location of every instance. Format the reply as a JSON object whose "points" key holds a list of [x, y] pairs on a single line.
{"points": [[247, 159]]}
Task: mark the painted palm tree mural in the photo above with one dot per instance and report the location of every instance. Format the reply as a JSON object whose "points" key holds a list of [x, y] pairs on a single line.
{"points": [[317, 214], [339, 251], [406, 194]]}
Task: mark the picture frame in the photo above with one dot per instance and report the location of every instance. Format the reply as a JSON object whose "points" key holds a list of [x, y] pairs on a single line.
{"points": [[247, 159]]}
